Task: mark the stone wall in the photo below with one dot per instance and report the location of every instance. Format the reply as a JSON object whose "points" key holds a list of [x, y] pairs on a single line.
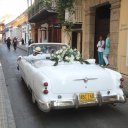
{"points": [[114, 31], [89, 28]]}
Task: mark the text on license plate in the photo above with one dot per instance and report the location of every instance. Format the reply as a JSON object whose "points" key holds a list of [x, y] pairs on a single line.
{"points": [[86, 97]]}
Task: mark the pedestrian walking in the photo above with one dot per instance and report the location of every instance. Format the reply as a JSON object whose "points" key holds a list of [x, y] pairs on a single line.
{"points": [[30, 41], [100, 46], [22, 40], [5, 40], [8, 43], [106, 50], [15, 43]]}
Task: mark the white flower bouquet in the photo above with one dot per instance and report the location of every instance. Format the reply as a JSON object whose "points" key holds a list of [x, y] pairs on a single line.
{"points": [[67, 54]]}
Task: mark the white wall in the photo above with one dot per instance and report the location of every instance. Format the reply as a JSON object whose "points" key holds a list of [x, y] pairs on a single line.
{"points": [[25, 35]]}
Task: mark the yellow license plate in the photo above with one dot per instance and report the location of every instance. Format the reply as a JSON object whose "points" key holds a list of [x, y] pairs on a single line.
{"points": [[86, 97]]}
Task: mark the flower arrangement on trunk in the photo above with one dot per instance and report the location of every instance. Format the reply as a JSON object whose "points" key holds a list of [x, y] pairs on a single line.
{"points": [[67, 54]]}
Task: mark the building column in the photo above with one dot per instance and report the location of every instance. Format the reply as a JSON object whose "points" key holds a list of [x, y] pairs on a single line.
{"points": [[114, 32], [65, 36], [88, 33]]}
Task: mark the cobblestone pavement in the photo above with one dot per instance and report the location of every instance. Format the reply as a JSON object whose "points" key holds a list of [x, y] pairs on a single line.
{"points": [[6, 115]]}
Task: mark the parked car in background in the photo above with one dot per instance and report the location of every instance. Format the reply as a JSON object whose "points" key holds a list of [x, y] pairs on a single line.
{"points": [[60, 78]]}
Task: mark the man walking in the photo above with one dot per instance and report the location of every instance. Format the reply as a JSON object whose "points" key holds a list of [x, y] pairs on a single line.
{"points": [[15, 43], [8, 43]]}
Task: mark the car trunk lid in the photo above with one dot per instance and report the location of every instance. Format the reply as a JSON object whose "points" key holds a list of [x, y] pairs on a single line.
{"points": [[77, 78]]}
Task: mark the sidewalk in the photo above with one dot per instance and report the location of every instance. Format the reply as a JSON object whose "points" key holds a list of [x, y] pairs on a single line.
{"points": [[23, 47], [6, 115], [125, 85]]}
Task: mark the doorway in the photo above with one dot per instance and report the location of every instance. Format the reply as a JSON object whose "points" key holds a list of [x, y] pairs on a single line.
{"points": [[77, 40], [102, 25], [74, 40]]}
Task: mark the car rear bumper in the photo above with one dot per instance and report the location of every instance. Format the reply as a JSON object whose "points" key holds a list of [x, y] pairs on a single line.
{"points": [[75, 103]]}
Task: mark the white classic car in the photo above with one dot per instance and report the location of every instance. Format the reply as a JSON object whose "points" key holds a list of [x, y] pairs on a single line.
{"points": [[59, 78]]}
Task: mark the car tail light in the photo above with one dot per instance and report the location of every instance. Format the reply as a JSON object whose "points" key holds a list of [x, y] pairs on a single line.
{"points": [[121, 82], [45, 91], [45, 84]]}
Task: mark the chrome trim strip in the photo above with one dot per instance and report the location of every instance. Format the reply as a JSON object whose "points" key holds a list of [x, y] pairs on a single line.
{"points": [[86, 79]]}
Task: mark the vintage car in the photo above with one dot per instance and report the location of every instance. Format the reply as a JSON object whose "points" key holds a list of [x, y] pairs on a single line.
{"points": [[60, 83]]}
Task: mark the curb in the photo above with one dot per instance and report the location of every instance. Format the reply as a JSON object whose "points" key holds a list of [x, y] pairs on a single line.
{"points": [[6, 114], [125, 85]]}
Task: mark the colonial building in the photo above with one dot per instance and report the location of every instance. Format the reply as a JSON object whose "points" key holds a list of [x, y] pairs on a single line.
{"points": [[91, 19], [44, 22], [100, 18]]}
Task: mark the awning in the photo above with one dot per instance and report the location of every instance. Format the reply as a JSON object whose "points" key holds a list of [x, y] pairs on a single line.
{"points": [[42, 15]]}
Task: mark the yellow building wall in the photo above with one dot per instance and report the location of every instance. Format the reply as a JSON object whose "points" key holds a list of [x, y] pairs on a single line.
{"points": [[18, 21], [123, 38]]}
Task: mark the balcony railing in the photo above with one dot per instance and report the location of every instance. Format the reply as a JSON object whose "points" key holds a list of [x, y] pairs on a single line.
{"points": [[76, 17], [78, 14], [38, 6]]}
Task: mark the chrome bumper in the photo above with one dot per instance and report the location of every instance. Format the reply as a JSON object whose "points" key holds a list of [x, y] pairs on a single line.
{"points": [[75, 103]]}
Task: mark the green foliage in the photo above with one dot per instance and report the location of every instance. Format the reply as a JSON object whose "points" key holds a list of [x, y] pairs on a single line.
{"points": [[41, 3], [45, 3], [68, 25], [63, 5]]}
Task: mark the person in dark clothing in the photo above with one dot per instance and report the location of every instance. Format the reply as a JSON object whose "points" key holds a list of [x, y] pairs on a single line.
{"points": [[15, 43], [22, 40], [8, 43], [30, 41], [5, 40]]}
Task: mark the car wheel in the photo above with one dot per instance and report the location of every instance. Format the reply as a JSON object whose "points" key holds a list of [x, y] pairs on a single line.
{"points": [[33, 98]]}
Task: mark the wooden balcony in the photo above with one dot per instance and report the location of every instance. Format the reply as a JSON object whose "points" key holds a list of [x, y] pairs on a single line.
{"points": [[39, 7]]}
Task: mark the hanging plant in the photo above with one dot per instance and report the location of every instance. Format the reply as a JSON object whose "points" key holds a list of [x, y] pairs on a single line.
{"points": [[45, 3], [62, 6]]}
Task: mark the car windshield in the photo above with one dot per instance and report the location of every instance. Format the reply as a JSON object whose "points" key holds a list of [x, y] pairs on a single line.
{"points": [[45, 48]]}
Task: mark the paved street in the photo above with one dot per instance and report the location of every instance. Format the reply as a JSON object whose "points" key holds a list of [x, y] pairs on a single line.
{"points": [[27, 115]]}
